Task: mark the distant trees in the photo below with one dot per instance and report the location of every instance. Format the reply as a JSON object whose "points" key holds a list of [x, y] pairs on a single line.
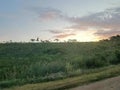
{"points": [[72, 40], [56, 40], [37, 39], [43, 41], [115, 38], [32, 40], [112, 38]]}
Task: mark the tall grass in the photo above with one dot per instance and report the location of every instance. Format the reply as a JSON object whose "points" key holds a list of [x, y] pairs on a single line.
{"points": [[41, 62]]}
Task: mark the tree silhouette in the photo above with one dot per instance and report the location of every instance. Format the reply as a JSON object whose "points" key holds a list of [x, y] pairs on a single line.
{"points": [[32, 40], [56, 40], [115, 38], [37, 39]]}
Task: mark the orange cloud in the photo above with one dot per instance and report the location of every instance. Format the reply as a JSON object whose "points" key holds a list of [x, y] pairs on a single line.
{"points": [[49, 15], [64, 35], [105, 23]]}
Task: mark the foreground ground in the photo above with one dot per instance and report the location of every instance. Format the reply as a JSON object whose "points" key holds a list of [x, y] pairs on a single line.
{"points": [[108, 84], [87, 78]]}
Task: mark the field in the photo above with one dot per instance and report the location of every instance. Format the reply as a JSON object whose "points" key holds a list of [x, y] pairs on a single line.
{"points": [[30, 63], [66, 84]]}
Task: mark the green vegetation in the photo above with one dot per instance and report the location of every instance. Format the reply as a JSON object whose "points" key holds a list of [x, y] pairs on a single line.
{"points": [[65, 84], [22, 63]]}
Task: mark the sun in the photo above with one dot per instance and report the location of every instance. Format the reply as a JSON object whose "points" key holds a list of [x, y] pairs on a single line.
{"points": [[84, 36]]}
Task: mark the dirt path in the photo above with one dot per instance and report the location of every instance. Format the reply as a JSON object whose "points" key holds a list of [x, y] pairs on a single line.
{"points": [[108, 84]]}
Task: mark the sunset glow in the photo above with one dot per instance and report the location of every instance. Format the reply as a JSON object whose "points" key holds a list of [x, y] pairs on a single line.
{"points": [[21, 20], [83, 36]]}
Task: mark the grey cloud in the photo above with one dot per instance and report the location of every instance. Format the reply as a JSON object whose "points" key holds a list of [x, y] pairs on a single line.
{"points": [[107, 33], [48, 13], [60, 36], [108, 19], [60, 31], [55, 31]]}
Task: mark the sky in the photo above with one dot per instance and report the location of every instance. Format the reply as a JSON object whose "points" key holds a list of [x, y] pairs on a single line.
{"points": [[84, 20]]}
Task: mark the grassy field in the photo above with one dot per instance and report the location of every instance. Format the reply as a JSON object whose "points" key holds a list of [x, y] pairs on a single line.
{"points": [[67, 83], [30, 63]]}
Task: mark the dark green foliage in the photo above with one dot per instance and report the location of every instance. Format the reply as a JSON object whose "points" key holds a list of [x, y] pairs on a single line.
{"points": [[38, 62], [38, 69]]}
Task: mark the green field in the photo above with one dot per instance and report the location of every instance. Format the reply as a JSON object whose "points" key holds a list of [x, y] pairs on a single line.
{"points": [[66, 84], [28, 63]]}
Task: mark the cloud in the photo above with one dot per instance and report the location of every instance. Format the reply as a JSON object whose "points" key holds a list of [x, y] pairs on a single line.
{"points": [[107, 18], [56, 31], [61, 31], [107, 33], [61, 36], [105, 23], [48, 13]]}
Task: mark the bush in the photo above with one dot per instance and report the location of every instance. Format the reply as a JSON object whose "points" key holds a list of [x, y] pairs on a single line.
{"points": [[116, 59], [94, 62], [39, 69]]}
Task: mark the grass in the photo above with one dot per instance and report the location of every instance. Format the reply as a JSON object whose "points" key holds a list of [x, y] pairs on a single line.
{"points": [[30, 63], [67, 83]]}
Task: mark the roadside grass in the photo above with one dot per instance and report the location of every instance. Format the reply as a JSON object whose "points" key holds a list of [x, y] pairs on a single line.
{"points": [[57, 66], [71, 82]]}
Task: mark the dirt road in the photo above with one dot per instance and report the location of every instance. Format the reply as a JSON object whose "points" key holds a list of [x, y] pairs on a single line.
{"points": [[108, 84]]}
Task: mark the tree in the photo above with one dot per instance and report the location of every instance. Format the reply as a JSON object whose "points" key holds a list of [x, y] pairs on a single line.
{"points": [[32, 40], [115, 38], [37, 39], [72, 40], [56, 40]]}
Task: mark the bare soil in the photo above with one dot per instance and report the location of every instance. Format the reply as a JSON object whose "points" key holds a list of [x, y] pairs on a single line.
{"points": [[108, 84]]}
